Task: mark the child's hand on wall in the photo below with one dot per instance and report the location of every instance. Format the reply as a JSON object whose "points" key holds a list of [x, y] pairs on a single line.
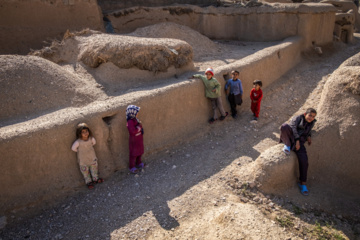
{"points": [[309, 140]]}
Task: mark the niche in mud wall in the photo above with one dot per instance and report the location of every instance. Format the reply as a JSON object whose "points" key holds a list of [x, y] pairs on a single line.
{"points": [[344, 33], [108, 119], [226, 76]]}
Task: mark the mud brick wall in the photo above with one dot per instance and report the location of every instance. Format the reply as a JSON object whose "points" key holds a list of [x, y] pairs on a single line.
{"points": [[25, 25], [112, 5]]}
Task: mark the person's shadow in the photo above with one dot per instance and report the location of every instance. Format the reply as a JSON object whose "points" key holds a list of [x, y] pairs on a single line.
{"points": [[162, 215]]}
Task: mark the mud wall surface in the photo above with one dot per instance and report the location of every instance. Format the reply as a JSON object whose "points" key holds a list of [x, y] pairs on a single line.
{"points": [[36, 158], [314, 22], [336, 163], [334, 152], [111, 5], [24, 25]]}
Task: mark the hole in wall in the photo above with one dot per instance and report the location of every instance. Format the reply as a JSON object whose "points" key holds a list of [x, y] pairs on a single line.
{"points": [[343, 36], [226, 76], [108, 119], [108, 26]]}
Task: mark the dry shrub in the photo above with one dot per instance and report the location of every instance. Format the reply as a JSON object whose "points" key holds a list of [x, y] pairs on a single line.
{"points": [[354, 85]]}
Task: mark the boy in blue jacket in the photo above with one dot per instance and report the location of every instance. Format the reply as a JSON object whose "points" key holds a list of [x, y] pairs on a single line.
{"points": [[236, 92]]}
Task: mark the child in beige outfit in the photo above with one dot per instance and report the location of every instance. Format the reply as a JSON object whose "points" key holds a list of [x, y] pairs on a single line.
{"points": [[86, 156]]}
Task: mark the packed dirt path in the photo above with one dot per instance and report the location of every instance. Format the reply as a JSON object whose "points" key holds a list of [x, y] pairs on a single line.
{"points": [[188, 191]]}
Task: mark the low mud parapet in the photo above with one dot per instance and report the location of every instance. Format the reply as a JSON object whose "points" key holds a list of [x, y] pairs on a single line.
{"points": [[35, 155]]}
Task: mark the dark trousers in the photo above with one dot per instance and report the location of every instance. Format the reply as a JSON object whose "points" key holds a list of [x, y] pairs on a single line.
{"points": [[287, 137], [133, 160], [303, 162], [232, 102]]}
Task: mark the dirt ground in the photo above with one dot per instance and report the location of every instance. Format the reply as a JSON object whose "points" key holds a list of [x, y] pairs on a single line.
{"points": [[193, 190]]}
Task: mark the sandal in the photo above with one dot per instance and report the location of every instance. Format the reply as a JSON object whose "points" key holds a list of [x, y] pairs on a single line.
{"points": [[212, 120], [303, 189], [100, 180], [141, 165], [134, 170], [286, 150], [223, 117], [90, 185]]}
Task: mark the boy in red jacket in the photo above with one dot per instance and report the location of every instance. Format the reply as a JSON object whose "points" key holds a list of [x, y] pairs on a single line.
{"points": [[256, 96]]}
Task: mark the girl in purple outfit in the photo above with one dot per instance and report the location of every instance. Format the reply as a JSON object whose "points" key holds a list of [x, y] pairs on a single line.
{"points": [[136, 144]]}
